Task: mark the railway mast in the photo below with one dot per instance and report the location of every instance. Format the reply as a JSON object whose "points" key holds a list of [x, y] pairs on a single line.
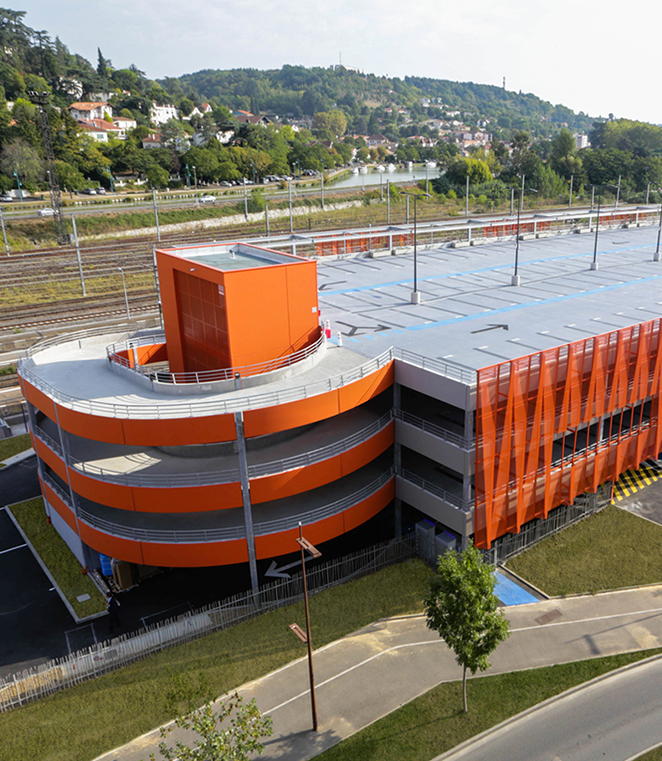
{"points": [[40, 99]]}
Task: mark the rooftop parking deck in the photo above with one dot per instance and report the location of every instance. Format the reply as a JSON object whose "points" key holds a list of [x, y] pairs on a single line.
{"points": [[470, 313]]}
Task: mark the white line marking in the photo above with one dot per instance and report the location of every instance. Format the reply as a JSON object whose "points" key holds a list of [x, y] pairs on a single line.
{"points": [[439, 641], [11, 549]]}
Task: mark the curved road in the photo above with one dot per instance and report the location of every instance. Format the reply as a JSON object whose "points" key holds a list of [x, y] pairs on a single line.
{"points": [[615, 718]]}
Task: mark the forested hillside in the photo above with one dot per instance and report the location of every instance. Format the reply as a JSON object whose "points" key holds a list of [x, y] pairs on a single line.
{"points": [[296, 120]]}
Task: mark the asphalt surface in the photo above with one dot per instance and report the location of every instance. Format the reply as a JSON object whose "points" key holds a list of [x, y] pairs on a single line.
{"points": [[370, 673], [646, 503], [612, 718], [35, 626]]}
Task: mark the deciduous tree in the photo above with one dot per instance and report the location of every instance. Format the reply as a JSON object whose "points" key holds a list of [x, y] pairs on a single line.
{"points": [[461, 606]]}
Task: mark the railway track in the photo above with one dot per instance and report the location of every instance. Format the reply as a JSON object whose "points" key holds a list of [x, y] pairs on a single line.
{"points": [[33, 316]]}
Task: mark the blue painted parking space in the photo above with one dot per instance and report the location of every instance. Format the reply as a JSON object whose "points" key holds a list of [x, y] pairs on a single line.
{"points": [[510, 593]]}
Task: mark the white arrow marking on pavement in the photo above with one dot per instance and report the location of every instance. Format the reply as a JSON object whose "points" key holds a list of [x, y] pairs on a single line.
{"points": [[279, 573]]}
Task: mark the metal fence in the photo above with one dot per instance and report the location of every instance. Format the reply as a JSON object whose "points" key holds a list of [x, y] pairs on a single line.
{"points": [[559, 518], [59, 674]]}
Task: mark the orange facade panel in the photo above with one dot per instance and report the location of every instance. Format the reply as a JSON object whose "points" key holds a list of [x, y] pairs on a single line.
{"points": [[314, 408], [113, 546], [557, 423], [59, 506], [304, 479], [195, 555]]}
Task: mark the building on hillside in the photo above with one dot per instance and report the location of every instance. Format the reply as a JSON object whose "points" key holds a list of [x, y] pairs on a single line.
{"points": [[100, 129], [153, 140], [581, 141], [480, 407], [162, 114], [92, 110], [124, 125], [245, 117]]}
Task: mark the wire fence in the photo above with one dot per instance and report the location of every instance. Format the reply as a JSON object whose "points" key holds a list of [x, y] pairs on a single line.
{"points": [[56, 675], [558, 519]]}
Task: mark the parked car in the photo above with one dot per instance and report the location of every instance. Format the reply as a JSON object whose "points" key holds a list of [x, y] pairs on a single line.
{"points": [[101, 191], [89, 191], [207, 199], [6, 199], [46, 212]]}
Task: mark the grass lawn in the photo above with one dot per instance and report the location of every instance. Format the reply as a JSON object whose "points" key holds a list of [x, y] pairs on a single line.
{"points": [[57, 557], [435, 723], [14, 445], [609, 550], [83, 722]]}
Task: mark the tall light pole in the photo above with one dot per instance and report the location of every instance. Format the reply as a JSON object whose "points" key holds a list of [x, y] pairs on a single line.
{"points": [[266, 217], [4, 233], [415, 294], [594, 263], [126, 296], [306, 637], [656, 256], [515, 279], [20, 191], [156, 216], [195, 182]]}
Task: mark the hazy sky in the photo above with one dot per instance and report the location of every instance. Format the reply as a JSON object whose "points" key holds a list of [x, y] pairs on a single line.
{"points": [[588, 56]]}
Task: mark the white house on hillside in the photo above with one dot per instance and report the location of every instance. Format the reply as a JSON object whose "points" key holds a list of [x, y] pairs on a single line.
{"points": [[90, 110], [162, 114]]}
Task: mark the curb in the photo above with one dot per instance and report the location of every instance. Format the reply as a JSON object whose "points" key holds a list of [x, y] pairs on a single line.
{"points": [[14, 459], [61, 594], [458, 750]]}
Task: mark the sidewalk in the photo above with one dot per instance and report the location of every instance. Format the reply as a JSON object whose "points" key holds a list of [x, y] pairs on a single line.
{"points": [[370, 673]]}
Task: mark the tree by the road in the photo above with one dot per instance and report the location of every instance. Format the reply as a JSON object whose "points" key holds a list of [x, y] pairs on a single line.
{"points": [[242, 735], [461, 606]]}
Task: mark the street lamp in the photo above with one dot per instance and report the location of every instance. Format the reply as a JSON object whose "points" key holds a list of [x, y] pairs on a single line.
{"points": [[415, 294], [195, 182], [515, 279], [594, 263], [20, 191], [306, 637], [126, 296], [188, 177], [266, 217], [656, 256]]}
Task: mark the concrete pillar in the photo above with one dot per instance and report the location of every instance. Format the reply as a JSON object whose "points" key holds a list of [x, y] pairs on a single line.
{"points": [[64, 443], [246, 496], [397, 462]]}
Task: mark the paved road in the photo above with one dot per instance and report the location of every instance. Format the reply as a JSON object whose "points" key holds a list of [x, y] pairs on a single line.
{"points": [[374, 671], [612, 718]]}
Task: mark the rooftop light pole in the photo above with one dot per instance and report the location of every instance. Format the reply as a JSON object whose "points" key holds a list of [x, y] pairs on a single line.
{"points": [[594, 263], [126, 296], [415, 294], [656, 256], [306, 636], [515, 279]]}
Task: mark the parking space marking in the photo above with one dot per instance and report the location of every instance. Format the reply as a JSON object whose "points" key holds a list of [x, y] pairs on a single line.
{"points": [[11, 549]]}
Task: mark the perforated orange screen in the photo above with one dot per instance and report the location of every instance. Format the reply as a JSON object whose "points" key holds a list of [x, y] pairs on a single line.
{"points": [[552, 425]]}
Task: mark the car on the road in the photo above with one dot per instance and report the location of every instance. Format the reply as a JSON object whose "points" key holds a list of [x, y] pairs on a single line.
{"points": [[89, 191], [46, 212], [6, 199], [207, 199]]}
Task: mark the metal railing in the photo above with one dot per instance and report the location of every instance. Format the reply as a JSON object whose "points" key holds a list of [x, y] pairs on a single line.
{"points": [[435, 430], [438, 491], [201, 536], [452, 370], [59, 674], [203, 407], [229, 475], [206, 376]]}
